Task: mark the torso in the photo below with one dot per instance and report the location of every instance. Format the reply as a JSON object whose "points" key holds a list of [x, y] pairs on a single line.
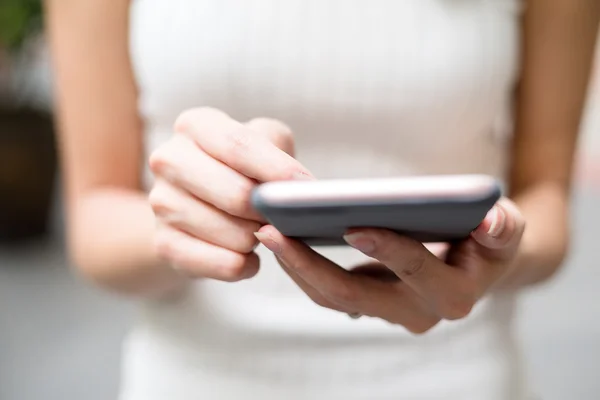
{"points": [[375, 88]]}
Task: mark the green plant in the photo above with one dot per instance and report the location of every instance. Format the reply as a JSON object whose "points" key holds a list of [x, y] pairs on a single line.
{"points": [[19, 19]]}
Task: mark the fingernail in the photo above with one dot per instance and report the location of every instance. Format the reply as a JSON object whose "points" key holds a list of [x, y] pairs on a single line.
{"points": [[360, 242], [498, 222], [268, 242], [302, 176]]}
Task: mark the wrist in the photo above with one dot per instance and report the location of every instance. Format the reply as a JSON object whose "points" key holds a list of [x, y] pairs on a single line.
{"points": [[534, 263], [544, 245]]}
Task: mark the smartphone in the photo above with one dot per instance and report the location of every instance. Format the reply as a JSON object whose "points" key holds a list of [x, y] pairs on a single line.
{"points": [[430, 209]]}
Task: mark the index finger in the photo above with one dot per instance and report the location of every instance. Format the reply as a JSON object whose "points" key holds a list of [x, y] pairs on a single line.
{"points": [[367, 296], [445, 288], [238, 146]]}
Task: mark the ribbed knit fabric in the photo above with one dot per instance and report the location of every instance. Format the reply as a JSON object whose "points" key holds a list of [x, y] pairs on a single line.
{"points": [[370, 88]]}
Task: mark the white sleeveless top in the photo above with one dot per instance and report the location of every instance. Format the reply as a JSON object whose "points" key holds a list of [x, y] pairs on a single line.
{"points": [[377, 88]]}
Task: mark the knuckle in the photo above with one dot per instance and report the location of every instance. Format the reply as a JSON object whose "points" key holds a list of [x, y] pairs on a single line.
{"points": [[238, 201], [422, 327], [157, 201], [344, 294], [185, 120], [234, 269], [167, 157], [247, 241], [162, 202], [457, 308], [188, 118], [321, 302], [458, 311], [277, 132], [238, 140], [164, 246], [231, 205], [380, 249], [158, 159], [271, 126], [414, 266], [387, 245], [155, 198], [418, 330]]}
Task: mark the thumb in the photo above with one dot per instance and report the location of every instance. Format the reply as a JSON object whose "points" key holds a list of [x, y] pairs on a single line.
{"points": [[501, 230], [275, 131]]}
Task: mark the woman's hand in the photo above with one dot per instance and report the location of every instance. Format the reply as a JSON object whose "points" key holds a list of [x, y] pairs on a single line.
{"points": [[423, 288], [201, 197]]}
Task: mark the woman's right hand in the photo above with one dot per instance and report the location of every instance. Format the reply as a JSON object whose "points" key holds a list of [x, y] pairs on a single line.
{"points": [[201, 197]]}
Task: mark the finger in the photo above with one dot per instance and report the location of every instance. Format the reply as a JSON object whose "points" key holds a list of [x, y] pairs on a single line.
{"points": [[376, 271], [310, 291], [408, 259], [183, 164], [447, 290], [492, 245], [200, 259], [275, 132], [180, 210], [363, 295], [238, 146], [316, 270], [501, 230]]}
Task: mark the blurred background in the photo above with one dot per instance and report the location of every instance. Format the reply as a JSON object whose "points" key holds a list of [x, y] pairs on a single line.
{"points": [[60, 338]]}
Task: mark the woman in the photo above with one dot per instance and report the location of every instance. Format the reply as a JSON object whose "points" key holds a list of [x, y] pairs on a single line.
{"points": [[380, 88]]}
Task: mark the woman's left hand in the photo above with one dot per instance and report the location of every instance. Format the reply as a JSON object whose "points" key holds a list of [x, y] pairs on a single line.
{"points": [[424, 289]]}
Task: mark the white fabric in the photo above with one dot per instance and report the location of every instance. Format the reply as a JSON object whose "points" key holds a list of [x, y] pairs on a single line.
{"points": [[377, 88]]}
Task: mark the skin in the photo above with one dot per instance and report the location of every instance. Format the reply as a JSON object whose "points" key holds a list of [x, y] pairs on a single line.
{"points": [[191, 228]]}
